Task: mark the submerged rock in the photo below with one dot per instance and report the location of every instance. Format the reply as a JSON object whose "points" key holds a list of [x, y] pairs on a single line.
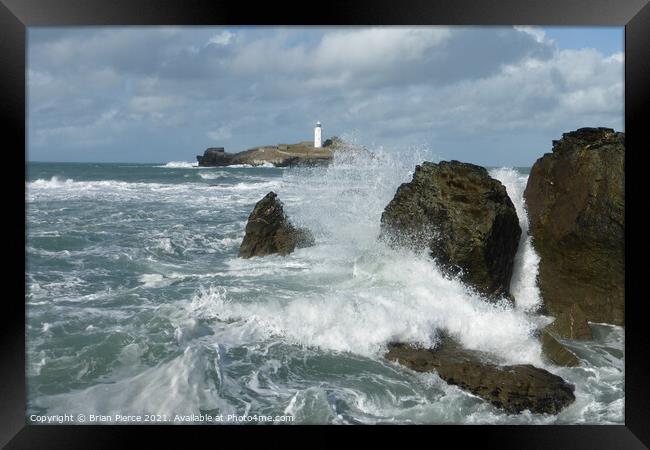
{"points": [[576, 207], [514, 388], [465, 219], [557, 352], [571, 324], [269, 231]]}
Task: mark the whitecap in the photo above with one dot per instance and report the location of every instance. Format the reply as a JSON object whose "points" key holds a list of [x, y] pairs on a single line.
{"points": [[179, 165], [154, 280]]}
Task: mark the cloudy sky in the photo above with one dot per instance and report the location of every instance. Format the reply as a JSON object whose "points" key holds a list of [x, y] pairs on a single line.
{"points": [[487, 95]]}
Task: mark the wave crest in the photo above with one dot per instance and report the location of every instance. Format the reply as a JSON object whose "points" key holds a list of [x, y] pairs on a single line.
{"points": [[179, 165]]}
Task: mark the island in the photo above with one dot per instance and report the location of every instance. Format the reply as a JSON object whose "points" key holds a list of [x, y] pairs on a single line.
{"points": [[281, 155]]}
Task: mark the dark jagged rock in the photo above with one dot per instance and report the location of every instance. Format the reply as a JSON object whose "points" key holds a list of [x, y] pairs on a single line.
{"points": [[464, 217], [269, 231], [571, 324], [557, 352], [576, 207], [514, 388], [333, 141], [215, 156]]}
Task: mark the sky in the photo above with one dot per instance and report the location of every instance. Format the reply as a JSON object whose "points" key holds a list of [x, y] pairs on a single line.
{"points": [[494, 96]]}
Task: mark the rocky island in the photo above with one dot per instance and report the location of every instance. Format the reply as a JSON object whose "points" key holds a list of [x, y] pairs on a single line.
{"points": [[281, 155]]}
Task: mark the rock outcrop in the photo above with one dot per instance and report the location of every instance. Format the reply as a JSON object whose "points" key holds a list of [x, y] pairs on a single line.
{"points": [[465, 219], [215, 156], [556, 352], [576, 207], [514, 388], [334, 141], [269, 231], [571, 324]]}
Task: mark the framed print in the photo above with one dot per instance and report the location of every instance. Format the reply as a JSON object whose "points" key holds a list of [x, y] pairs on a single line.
{"points": [[355, 214]]}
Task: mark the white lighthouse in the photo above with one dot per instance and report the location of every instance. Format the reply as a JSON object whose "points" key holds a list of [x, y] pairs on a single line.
{"points": [[317, 136]]}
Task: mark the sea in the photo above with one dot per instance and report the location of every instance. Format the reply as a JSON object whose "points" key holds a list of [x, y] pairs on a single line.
{"points": [[138, 308]]}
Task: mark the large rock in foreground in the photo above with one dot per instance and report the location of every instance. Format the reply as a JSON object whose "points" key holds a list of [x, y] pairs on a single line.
{"points": [[464, 217], [576, 207], [513, 388], [269, 231]]}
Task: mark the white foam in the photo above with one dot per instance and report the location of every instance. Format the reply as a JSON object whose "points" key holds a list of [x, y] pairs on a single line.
{"points": [[165, 244], [54, 182], [189, 194], [263, 164], [248, 186], [523, 284], [408, 300], [213, 175], [179, 165], [225, 243], [180, 386], [154, 280], [231, 174]]}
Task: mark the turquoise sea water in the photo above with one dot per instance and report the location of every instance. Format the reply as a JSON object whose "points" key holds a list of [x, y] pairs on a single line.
{"points": [[138, 304]]}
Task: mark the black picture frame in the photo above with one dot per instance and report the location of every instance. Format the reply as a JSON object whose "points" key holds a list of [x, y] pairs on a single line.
{"points": [[16, 15]]}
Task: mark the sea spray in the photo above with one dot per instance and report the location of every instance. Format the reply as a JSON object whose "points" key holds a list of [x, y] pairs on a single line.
{"points": [[137, 302], [379, 294], [523, 284]]}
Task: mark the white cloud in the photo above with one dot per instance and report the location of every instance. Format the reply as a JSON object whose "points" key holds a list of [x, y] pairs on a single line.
{"points": [[341, 52], [265, 85], [618, 57], [221, 133], [155, 104], [535, 32], [222, 38], [375, 48]]}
